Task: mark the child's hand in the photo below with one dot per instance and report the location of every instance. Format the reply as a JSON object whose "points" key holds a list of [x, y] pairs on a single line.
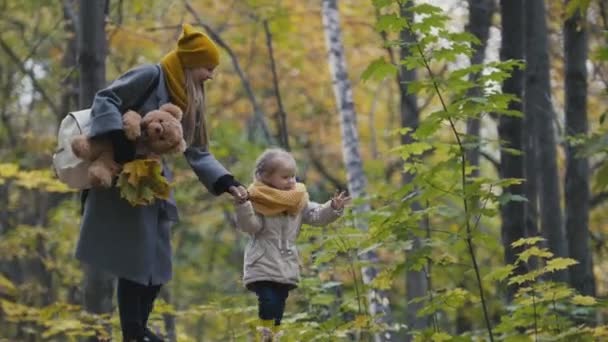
{"points": [[339, 200], [239, 194]]}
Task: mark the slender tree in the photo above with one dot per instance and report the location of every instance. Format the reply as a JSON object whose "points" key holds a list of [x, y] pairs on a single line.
{"points": [[98, 285], [510, 130], [577, 167], [357, 182], [538, 106], [416, 284], [480, 20]]}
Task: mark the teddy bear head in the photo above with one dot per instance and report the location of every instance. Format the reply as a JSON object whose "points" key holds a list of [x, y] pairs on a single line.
{"points": [[162, 130]]}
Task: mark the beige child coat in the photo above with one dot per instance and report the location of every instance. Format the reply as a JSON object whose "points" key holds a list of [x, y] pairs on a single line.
{"points": [[271, 254]]}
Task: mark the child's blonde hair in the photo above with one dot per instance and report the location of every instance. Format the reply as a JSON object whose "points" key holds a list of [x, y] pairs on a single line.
{"points": [[269, 161]]}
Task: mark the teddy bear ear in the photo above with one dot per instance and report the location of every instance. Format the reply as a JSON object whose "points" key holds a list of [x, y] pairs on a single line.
{"points": [[173, 110]]}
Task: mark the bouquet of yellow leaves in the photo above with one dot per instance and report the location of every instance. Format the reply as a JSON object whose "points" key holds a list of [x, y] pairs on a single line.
{"points": [[141, 182]]}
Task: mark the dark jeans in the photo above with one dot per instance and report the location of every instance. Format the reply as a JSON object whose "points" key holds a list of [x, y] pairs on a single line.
{"points": [[271, 299], [135, 303]]}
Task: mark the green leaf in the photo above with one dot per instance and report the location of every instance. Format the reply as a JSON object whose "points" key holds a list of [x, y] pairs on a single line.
{"points": [[500, 273], [390, 23], [440, 337], [557, 264], [534, 251], [382, 3], [527, 241], [583, 300], [509, 197], [379, 69], [601, 178], [576, 5], [6, 286]]}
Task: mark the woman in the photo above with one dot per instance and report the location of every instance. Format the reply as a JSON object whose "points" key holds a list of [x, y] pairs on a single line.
{"points": [[133, 242]]}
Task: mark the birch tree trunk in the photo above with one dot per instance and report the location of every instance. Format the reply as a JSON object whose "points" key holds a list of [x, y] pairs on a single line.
{"points": [[98, 286], [480, 20], [377, 300], [510, 130], [416, 284], [538, 105], [577, 167]]}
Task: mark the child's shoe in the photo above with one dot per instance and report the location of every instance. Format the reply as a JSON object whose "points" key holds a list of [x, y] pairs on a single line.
{"points": [[264, 330], [264, 334], [277, 333]]}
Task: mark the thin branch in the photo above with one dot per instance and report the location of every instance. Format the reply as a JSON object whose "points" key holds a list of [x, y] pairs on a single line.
{"points": [[30, 74], [371, 118], [598, 199], [258, 114], [495, 162], [316, 162], [281, 116]]}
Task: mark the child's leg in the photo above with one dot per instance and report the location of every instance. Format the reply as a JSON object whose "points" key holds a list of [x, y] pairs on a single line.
{"points": [[282, 292], [269, 301], [129, 295]]}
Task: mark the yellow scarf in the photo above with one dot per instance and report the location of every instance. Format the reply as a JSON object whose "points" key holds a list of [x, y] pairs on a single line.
{"points": [[176, 80], [269, 201]]}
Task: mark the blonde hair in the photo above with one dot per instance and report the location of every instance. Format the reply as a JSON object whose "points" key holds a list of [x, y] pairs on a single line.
{"points": [[269, 161], [195, 100]]}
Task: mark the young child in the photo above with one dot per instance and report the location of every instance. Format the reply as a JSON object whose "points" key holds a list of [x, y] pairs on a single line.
{"points": [[273, 214]]}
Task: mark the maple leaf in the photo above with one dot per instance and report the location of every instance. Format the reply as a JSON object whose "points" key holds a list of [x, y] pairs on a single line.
{"points": [[141, 182]]}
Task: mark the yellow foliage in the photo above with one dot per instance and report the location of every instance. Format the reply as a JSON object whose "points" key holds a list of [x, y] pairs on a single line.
{"points": [[141, 182], [583, 300]]}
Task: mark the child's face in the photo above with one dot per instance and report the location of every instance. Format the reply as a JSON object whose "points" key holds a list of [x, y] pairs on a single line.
{"points": [[283, 177]]}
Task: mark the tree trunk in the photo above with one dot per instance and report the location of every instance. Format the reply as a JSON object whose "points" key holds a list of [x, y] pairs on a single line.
{"points": [[480, 20], [538, 106], [577, 167], [98, 286], [510, 130], [377, 300], [91, 50], [69, 97], [415, 281]]}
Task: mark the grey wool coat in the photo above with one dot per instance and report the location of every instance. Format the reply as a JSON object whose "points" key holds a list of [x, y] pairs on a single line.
{"points": [[133, 242], [271, 254]]}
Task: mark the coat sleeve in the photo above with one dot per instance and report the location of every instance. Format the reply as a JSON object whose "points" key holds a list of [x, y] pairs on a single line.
{"points": [[121, 95], [320, 214], [209, 170], [246, 219]]}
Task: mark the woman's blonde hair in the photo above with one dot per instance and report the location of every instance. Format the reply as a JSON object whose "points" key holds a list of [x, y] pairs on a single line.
{"points": [[269, 161], [195, 132]]}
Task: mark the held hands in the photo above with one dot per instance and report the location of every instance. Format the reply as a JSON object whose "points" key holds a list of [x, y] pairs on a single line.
{"points": [[339, 200], [239, 194]]}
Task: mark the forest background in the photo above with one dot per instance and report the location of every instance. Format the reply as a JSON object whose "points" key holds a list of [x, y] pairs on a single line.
{"points": [[471, 135]]}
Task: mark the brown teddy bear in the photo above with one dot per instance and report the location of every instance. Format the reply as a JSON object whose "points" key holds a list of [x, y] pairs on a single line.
{"points": [[156, 133]]}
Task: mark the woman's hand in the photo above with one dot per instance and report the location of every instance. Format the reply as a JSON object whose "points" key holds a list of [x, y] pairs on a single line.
{"points": [[339, 200], [239, 194]]}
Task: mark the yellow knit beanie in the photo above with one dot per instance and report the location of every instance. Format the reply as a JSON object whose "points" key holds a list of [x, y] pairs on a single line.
{"points": [[195, 49]]}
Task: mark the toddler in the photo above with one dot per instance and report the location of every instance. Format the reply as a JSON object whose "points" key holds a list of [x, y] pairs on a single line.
{"points": [[272, 215]]}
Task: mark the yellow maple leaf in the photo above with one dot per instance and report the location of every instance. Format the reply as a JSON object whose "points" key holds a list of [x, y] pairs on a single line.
{"points": [[141, 182]]}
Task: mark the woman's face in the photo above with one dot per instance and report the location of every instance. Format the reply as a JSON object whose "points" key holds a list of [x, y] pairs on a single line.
{"points": [[201, 74]]}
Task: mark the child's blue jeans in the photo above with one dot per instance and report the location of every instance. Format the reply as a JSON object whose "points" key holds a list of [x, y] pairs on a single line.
{"points": [[271, 299]]}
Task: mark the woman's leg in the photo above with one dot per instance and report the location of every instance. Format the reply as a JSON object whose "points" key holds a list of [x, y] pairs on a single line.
{"points": [[147, 301], [129, 295]]}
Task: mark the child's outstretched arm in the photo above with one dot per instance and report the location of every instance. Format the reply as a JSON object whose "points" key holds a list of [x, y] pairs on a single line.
{"points": [[246, 218], [322, 214]]}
